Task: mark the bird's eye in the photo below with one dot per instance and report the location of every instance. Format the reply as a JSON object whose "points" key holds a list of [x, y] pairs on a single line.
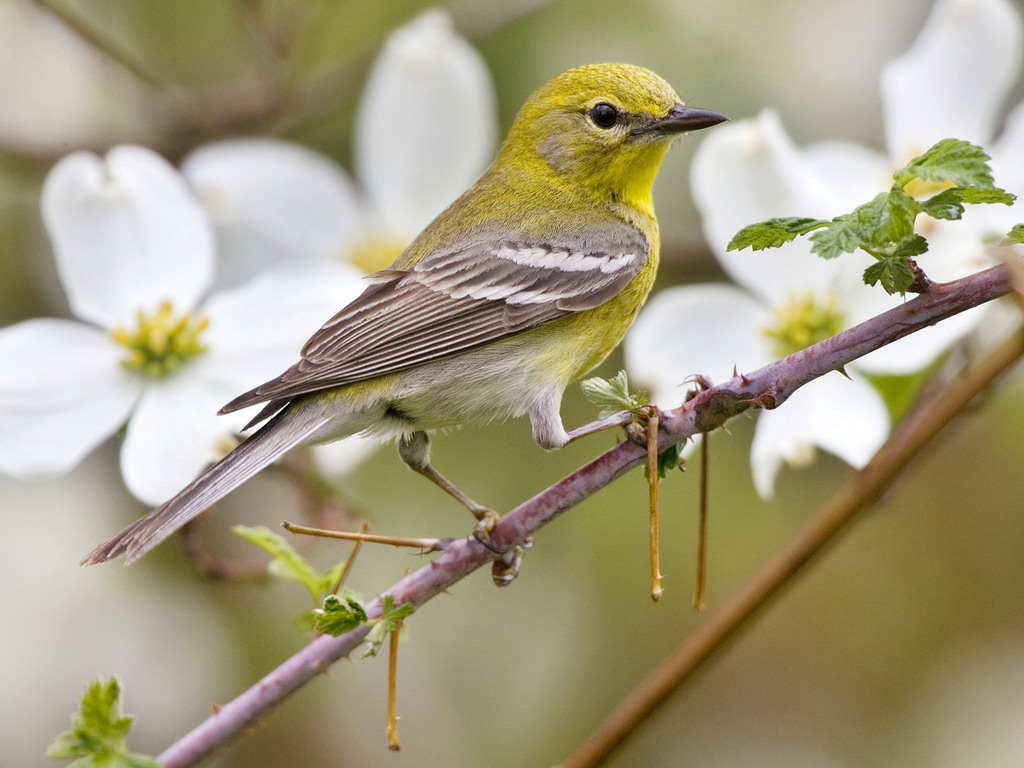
{"points": [[604, 115]]}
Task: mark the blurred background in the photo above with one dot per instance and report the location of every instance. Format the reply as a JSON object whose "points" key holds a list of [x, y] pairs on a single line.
{"points": [[902, 645]]}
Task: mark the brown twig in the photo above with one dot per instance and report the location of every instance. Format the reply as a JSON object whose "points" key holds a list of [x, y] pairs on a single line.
{"points": [[425, 544], [106, 46], [652, 484], [346, 567], [700, 582], [393, 743]]}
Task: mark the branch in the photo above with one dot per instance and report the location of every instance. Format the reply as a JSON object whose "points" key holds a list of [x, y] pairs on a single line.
{"points": [[767, 387], [104, 45]]}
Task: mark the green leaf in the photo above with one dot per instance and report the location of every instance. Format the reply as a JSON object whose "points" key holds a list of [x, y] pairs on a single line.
{"points": [[669, 459], [773, 233], [1015, 236], [949, 204], [879, 227], [900, 392], [287, 563], [98, 731], [338, 615], [949, 160], [894, 275], [388, 622], [850, 231], [611, 395], [909, 247]]}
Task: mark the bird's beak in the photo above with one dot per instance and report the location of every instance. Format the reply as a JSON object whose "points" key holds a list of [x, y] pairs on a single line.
{"points": [[683, 118]]}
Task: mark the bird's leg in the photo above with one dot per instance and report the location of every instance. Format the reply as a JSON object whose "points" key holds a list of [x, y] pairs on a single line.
{"points": [[414, 450], [641, 426], [549, 433]]}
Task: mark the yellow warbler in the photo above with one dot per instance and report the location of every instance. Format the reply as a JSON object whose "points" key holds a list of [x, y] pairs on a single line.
{"points": [[522, 285]]}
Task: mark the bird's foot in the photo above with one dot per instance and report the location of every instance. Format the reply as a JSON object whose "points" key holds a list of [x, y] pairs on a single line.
{"points": [[506, 568]]}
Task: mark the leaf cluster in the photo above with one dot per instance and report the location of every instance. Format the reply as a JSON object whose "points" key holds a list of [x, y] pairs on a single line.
{"points": [[338, 611], [338, 615], [390, 621], [885, 226], [289, 565], [613, 396], [98, 732]]}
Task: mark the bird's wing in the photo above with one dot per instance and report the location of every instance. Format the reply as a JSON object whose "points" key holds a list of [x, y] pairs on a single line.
{"points": [[450, 302]]}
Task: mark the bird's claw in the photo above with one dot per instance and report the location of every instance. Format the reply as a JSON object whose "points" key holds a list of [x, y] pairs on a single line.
{"points": [[486, 520], [506, 567], [510, 559]]}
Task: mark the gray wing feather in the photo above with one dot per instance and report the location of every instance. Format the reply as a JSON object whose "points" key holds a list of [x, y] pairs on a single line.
{"points": [[451, 302]]}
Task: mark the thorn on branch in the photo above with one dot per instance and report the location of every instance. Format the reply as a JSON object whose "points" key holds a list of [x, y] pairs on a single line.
{"points": [[921, 282], [721, 405]]}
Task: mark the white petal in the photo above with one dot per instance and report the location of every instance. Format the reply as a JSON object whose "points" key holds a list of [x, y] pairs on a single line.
{"points": [[174, 433], [953, 80], [749, 171], [1008, 157], [846, 418], [699, 329], [425, 129], [339, 458], [857, 173], [127, 234], [257, 330], [62, 393], [272, 202]]}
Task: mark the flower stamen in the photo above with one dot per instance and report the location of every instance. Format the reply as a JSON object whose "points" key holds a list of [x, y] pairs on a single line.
{"points": [[803, 321], [161, 342]]}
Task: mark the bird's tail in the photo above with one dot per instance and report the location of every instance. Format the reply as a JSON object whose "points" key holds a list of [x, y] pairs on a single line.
{"points": [[276, 437]]}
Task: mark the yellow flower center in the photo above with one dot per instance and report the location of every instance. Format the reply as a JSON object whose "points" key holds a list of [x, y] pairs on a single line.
{"points": [[803, 321], [161, 342], [376, 252]]}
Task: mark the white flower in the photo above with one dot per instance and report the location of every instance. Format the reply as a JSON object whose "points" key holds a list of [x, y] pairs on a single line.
{"points": [[750, 171], [426, 128], [135, 255]]}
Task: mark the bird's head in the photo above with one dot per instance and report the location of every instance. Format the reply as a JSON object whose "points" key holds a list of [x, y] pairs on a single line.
{"points": [[602, 129]]}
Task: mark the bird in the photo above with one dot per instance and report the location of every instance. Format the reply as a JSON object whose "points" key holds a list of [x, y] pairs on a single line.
{"points": [[522, 285]]}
